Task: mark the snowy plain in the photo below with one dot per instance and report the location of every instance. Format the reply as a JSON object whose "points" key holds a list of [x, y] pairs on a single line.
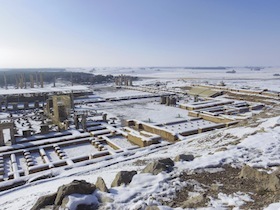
{"points": [[257, 146], [262, 79]]}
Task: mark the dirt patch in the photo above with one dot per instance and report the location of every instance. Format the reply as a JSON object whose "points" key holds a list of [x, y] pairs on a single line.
{"points": [[227, 182]]}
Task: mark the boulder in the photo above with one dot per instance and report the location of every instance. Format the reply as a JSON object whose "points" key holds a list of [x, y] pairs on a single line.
{"points": [[194, 202], [123, 177], [100, 185], [76, 186], [152, 208], [44, 201], [265, 181], [144, 206], [167, 162], [222, 149], [277, 172], [87, 207], [247, 172], [65, 200], [158, 166], [184, 157], [104, 198]]}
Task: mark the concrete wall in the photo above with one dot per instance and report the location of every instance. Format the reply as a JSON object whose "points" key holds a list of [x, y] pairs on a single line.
{"points": [[211, 118], [61, 106], [167, 135], [10, 126], [138, 140], [265, 93], [210, 128], [189, 133], [163, 133]]}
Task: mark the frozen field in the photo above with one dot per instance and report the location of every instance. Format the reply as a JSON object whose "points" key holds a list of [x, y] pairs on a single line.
{"points": [[112, 93], [243, 77], [148, 110]]}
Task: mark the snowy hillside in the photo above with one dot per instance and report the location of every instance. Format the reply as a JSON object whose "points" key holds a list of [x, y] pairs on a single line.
{"points": [[256, 146]]}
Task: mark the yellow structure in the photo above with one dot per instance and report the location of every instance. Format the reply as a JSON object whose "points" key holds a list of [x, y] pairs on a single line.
{"points": [[204, 92], [58, 108], [141, 126]]}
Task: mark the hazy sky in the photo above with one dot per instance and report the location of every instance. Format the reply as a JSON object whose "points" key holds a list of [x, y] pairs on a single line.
{"points": [[86, 33]]}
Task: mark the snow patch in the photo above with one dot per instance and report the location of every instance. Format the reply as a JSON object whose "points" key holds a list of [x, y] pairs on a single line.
{"points": [[77, 199], [234, 200]]}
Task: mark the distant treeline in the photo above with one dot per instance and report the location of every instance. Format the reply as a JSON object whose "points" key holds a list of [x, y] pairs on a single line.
{"points": [[188, 67], [50, 77], [23, 70], [207, 68]]}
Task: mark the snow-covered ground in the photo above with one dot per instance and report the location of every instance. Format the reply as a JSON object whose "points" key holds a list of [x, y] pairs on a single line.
{"points": [[262, 79], [256, 146], [112, 93], [149, 110], [47, 89]]}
